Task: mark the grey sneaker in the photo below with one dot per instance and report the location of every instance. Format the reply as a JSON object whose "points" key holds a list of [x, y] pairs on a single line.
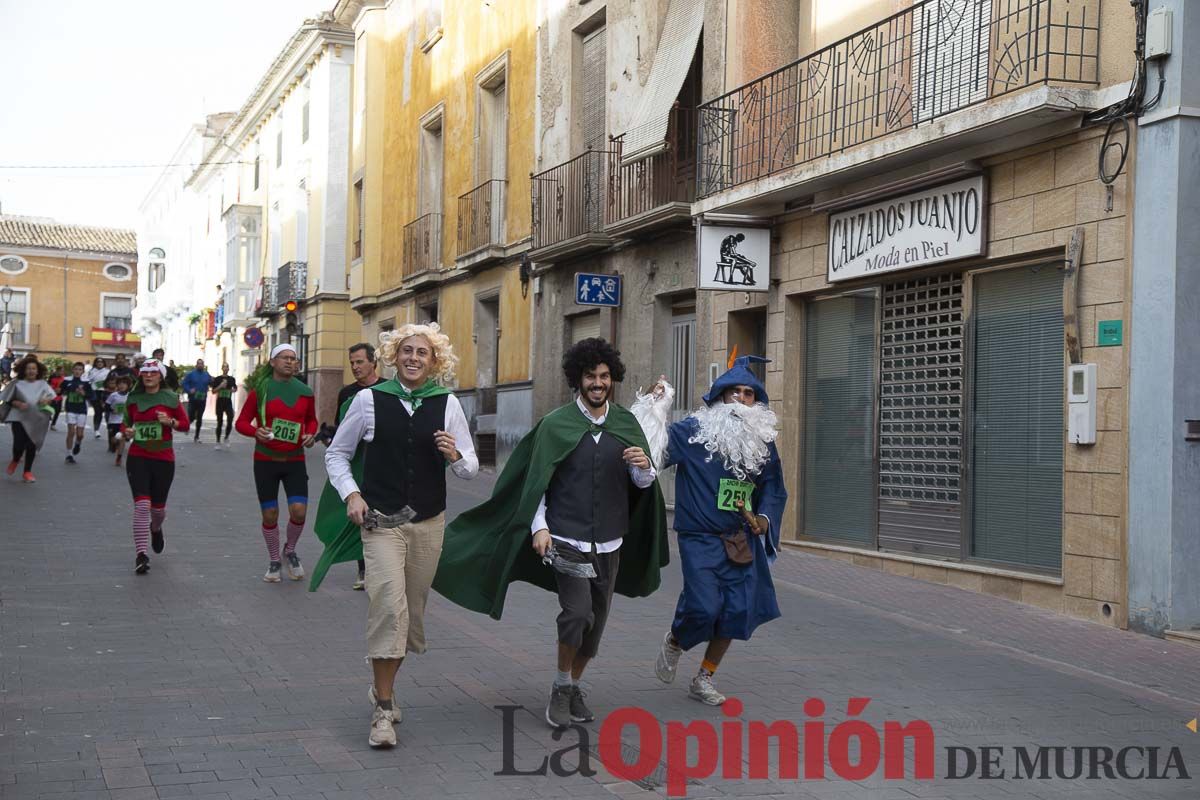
{"points": [[273, 570], [382, 734], [702, 689], [579, 710], [397, 716], [558, 710], [668, 659], [295, 571]]}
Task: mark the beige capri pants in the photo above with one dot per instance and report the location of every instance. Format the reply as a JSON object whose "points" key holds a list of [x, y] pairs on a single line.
{"points": [[400, 565]]}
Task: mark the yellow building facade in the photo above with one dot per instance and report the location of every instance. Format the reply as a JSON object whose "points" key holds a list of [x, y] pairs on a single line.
{"points": [[67, 290], [442, 146]]}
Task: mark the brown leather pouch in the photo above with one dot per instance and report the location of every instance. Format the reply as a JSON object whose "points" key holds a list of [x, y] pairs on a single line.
{"points": [[737, 547]]}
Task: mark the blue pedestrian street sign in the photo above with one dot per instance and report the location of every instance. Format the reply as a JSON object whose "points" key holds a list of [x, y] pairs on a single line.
{"points": [[597, 290]]}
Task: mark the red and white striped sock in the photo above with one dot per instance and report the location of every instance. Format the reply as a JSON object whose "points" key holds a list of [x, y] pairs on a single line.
{"points": [[271, 535], [141, 524], [157, 515], [294, 529]]}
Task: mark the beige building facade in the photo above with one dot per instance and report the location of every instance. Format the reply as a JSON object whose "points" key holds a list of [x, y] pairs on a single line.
{"points": [[920, 366]]}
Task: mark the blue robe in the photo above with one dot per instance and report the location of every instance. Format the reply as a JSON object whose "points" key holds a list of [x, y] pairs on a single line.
{"points": [[720, 599]]}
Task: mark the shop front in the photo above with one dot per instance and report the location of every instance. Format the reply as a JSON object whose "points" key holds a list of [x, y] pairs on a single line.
{"points": [[922, 333]]}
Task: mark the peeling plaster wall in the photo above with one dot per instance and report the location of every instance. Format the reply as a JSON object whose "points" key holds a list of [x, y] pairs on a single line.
{"points": [[633, 27]]}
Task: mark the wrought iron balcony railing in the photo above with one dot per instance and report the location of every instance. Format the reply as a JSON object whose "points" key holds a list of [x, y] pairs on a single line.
{"points": [[568, 199], [292, 282], [423, 245], [481, 217], [920, 64], [266, 296], [658, 180]]}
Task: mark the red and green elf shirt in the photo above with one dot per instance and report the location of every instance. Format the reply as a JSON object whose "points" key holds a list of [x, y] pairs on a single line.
{"points": [[151, 438], [288, 410]]}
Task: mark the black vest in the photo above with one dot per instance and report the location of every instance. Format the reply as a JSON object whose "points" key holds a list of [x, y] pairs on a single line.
{"points": [[401, 465], [588, 498]]}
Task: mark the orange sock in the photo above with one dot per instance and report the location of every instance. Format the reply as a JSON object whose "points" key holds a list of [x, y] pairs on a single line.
{"points": [[708, 667]]}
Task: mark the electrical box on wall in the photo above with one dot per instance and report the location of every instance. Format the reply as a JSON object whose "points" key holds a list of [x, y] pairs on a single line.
{"points": [[1081, 404], [1158, 33]]}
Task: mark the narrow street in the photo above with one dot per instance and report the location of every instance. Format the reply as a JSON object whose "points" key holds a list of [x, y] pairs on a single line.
{"points": [[201, 680]]}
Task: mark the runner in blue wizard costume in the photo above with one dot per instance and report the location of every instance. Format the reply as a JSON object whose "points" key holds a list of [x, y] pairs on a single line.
{"points": [[729, 501]]}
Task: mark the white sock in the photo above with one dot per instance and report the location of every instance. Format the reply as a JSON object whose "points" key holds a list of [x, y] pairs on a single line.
{"points": [[563, 679]]}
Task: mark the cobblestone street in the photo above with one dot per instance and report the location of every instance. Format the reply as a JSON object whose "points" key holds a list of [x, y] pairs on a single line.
{"points": [[200, 680]]}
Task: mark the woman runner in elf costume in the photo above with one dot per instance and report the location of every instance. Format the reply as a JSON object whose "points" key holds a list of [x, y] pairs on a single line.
{"points": [[152, 412], [280, 415]]}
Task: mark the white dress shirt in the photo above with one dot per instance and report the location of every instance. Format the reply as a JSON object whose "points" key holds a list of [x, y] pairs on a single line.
{"points": [[641, 478], [359, 426]]}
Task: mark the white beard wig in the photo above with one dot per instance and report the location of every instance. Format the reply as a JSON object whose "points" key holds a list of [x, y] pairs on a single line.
{"points": [[738, 433]]}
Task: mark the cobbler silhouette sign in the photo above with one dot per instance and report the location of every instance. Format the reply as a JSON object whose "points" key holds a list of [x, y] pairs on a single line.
{"points": [[735, 259], [914, 230]]}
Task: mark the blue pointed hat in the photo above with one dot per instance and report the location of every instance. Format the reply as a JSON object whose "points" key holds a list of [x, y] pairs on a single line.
{"points": [[739, 375]]}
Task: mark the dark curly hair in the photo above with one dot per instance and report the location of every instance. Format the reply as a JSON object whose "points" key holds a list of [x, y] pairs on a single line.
{"points": [[19, 368], [588, 354]]}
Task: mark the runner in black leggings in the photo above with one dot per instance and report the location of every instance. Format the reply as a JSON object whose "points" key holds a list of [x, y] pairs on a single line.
{"points": [[224, 386]]}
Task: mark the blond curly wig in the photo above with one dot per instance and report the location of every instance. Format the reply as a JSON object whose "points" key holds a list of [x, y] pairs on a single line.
{"points": [[444, 360]]}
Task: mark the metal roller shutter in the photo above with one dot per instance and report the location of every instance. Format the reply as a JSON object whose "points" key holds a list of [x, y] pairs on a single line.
{"points": [[920, 416]]}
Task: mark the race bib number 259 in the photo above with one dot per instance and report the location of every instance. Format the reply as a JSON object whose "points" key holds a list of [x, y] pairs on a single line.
{"points": [[730, 491]]}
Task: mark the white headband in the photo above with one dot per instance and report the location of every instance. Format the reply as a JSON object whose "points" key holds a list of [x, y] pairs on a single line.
{"points": [[279, 348], [150, 365]]}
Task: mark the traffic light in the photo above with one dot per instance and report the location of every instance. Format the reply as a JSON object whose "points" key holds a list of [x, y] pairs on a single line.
{"points": [[291, 320]]}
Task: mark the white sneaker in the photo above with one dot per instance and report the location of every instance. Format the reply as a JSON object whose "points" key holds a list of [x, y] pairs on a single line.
{"points": [[668, 659], [702, 689], [273, 572], [382, 734], [397, 716], [97, 436]]}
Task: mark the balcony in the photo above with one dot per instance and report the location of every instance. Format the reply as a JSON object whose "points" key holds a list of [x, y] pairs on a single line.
{"points": [[655, 191], [292, 282], [961, 73], [481, 224], [266, 297], [238, 302], [422, 246], [569, 207]]}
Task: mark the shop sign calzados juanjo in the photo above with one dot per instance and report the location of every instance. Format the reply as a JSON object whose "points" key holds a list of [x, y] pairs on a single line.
{"points": [[914, 230]]}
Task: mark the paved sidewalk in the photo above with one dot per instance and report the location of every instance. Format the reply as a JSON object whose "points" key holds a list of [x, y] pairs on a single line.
{"points": [[199, 680]]}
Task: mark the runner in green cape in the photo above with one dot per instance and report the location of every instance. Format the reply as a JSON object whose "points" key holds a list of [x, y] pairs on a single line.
{"points": [[487, 548], [577, 511], [341, 536]]}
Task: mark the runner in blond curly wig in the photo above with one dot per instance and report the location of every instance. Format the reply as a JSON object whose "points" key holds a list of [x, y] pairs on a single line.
{"points": [[394, 493], [444, 360]]}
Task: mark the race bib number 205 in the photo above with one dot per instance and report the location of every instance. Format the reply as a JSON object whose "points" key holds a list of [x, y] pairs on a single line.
{"points": [[285, 430]]}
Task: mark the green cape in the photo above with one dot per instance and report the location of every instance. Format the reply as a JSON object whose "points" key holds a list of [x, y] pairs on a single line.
{"points": [[489, 547], [341, 537]]}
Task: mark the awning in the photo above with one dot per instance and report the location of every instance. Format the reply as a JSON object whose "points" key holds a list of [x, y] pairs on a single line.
{"points": [[647, 131]]}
